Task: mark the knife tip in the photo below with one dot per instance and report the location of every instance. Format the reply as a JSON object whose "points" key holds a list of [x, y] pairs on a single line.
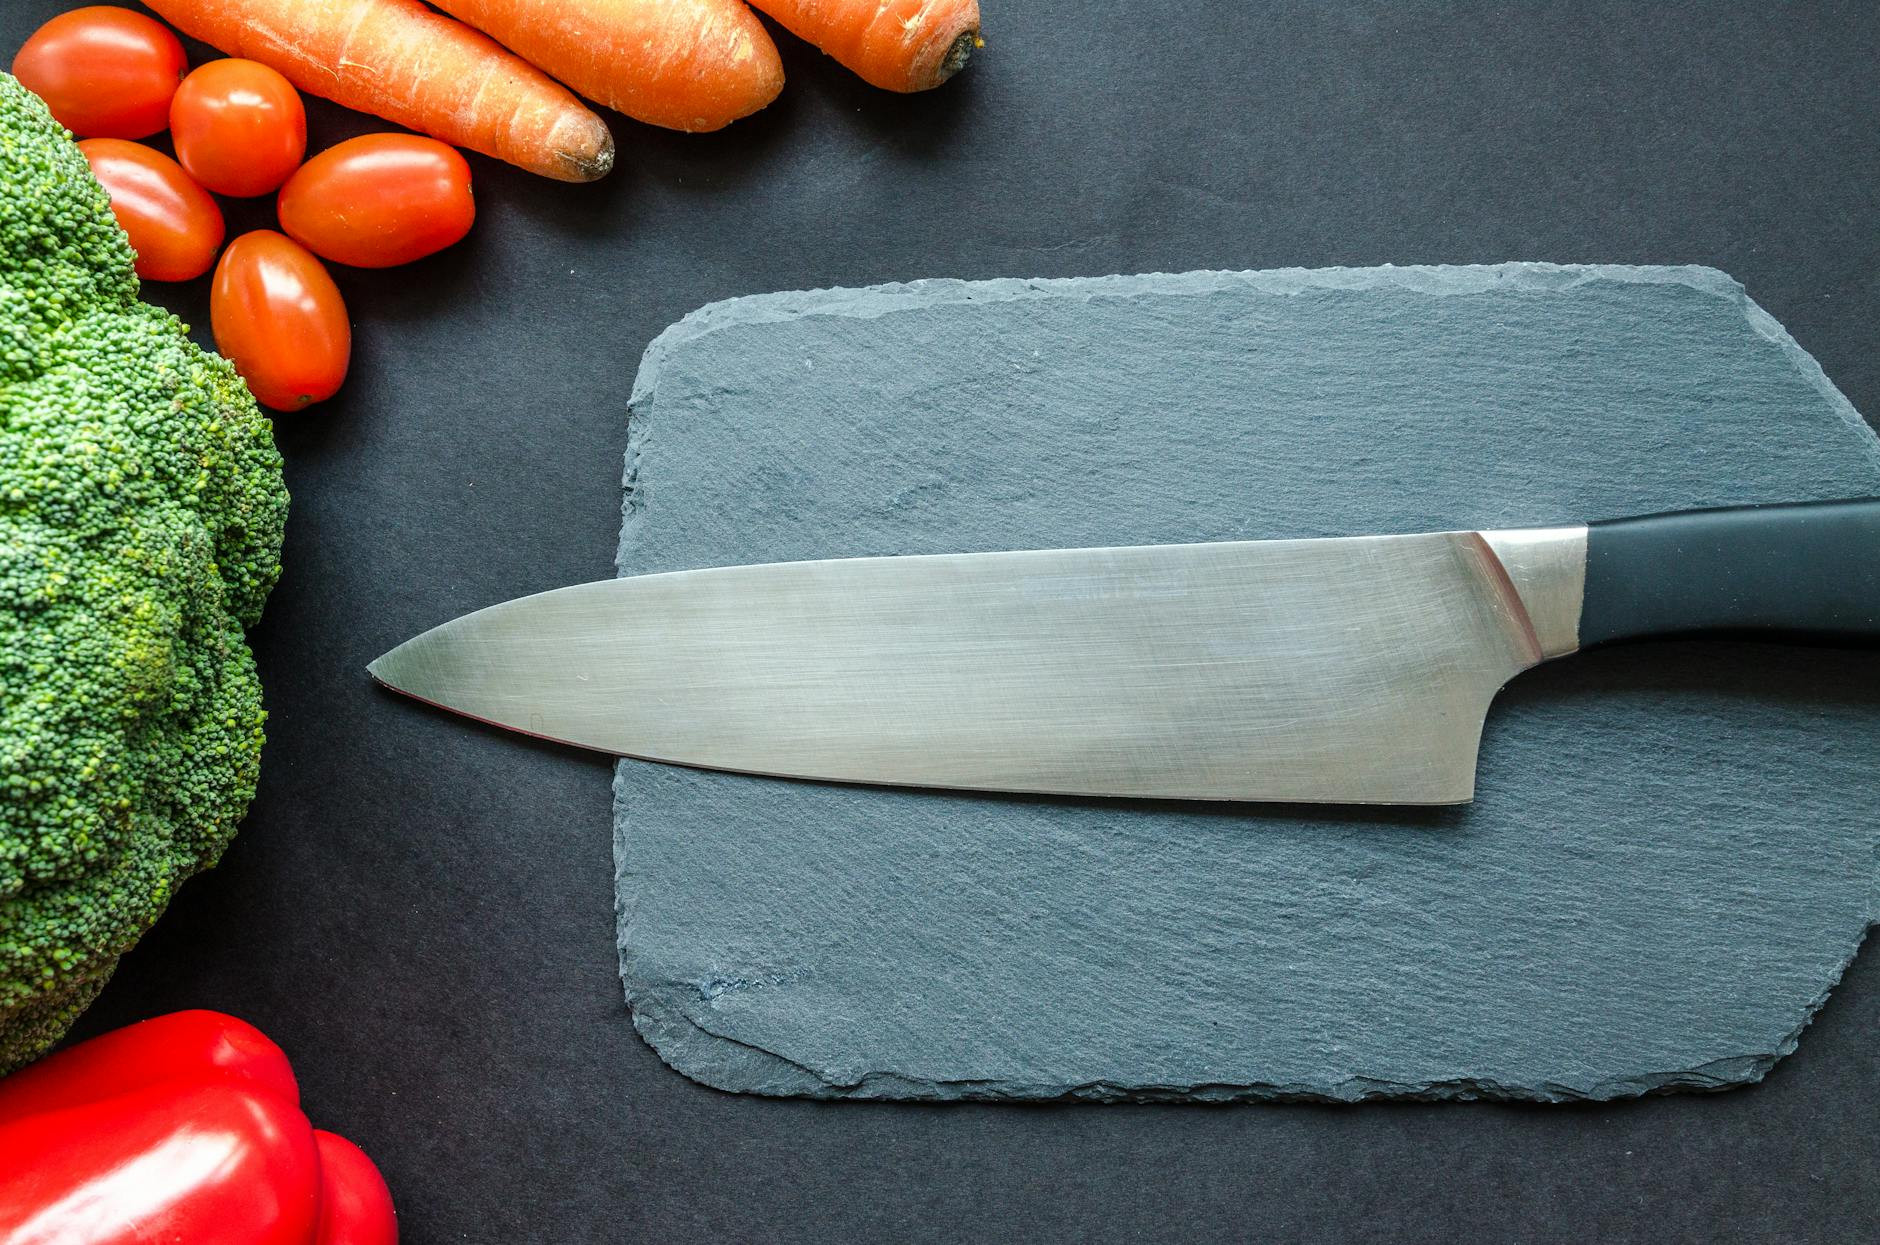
{"points": [[377, 670], [407, 669]]}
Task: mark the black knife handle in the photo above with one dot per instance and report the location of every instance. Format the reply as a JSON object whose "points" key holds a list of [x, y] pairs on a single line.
{"points": [[1808, 572]]}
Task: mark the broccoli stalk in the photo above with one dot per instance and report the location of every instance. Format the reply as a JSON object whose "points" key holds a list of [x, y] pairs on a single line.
{"points": [[141, 514]]}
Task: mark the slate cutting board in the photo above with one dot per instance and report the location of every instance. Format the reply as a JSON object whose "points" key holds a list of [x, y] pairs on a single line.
{"points": [[1672, 855]]}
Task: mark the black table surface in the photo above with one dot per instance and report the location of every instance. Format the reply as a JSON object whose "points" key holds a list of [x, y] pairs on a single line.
{"points": [[421, 910]]}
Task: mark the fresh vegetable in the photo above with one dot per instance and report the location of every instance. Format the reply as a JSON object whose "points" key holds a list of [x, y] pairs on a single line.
{"points": [[355, 1205], [399, 60], [197, 1046], [174, 226], [278, 317], [684, 64], [189, 1162], [239, 127], [141, 510], [379, 200], [104, 72], [899, 45], [187, 1127]]}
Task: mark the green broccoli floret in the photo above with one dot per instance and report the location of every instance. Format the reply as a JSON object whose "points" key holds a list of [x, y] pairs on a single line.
{"points": [[141, 513]]}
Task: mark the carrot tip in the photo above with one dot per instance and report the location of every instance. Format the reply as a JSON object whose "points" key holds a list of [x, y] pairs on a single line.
{"points": [[957, 55], [589, 168]]}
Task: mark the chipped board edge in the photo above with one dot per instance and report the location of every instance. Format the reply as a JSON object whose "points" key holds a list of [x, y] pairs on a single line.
{"points": [[669, 1029], [1436, 280]]}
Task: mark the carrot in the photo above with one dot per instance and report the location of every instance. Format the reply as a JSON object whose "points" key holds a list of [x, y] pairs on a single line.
{"points": [[683, 64], [899, 45], [401, 61]]}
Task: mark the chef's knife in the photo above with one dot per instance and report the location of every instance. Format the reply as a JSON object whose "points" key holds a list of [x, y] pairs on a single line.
{"points": [[1354, 670]]}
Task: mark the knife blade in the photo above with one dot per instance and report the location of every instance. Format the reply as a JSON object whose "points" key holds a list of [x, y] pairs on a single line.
{"points": [[1350, 670]]}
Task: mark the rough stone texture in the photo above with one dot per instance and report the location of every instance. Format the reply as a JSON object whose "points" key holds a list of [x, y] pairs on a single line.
{"points": [[1672, 855]]}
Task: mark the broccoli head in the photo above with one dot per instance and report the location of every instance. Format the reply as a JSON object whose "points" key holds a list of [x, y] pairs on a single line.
{"points": [[141, 514]]}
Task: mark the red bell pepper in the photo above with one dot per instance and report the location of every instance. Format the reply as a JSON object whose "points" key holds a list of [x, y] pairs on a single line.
{"points": [[185, 1128]]}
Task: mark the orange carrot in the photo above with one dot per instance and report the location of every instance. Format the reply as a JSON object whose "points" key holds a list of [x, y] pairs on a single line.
{"points": [[401, 61], [900, 45], [683, 64]]}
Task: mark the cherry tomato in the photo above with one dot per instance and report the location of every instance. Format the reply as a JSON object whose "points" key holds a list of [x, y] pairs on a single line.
{"points": [[174, 226], [239, 127], [104, 72], [278, 317], [379, 200]]}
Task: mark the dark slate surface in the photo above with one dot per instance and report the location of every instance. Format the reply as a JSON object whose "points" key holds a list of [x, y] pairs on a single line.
{"points": [[421, 910], [1672, 853]]}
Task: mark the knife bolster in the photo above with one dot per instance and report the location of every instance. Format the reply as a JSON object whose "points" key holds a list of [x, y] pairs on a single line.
{"points": [[1546, 566]]}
